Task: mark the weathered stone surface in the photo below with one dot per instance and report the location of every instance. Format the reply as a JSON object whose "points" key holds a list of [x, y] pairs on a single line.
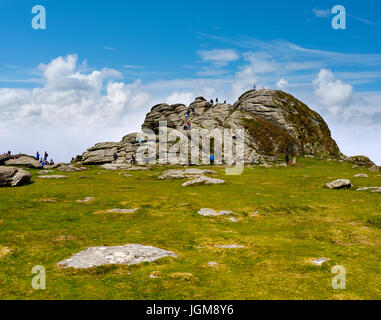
{"points": [[319, 261], [274, 122], [136, 168], [128, 255], [202, 180], [115, 166], [211, 212], [182, 174], [25, 161], [373, 189], [122, 210], [45, 172], [339, 184], [55, 166], [70, 168], [361, 161], [360, 175], [87, 199], [12, 177]]}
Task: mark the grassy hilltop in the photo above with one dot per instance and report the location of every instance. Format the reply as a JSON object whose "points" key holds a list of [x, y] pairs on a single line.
{"points": [[297, 221]]}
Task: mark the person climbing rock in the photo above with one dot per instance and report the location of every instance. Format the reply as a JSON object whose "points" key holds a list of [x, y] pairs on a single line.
{"points": [[133, 160], [115, 157]]}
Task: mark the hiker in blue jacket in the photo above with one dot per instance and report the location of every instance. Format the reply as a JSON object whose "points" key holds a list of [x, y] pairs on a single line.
{"points": [[211, 159]]}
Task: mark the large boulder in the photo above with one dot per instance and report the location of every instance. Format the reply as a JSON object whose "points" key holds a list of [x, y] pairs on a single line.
{"points": [[339, 184], [12, 177], [25, 161]]}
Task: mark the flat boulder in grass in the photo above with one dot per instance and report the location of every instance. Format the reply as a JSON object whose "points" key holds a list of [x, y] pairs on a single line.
{"points": [[25, 161], [339, 184], [13, 177], [203, 180], [360, 175], [70, 168], [127, 255], [115, 166], [373, 189], [206, 212]]}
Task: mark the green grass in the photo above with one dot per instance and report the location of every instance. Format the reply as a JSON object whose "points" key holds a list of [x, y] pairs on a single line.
{"points": [[298, 220]]}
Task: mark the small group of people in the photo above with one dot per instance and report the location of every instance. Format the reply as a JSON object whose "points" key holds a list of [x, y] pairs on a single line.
{"points": [[212, 102], [44, 160], [288, 161], [133, 160], [7, 154]]}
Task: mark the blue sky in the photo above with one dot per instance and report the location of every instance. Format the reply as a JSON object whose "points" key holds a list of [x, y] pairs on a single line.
{"points": [[126, 56]]}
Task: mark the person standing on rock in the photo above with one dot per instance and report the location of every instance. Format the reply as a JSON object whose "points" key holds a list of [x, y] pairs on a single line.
{"points": [[211, 102], [133, 161], [9, 153], [287, 160], [37, 156], [115, 157], [46, 156], [216, 100]]}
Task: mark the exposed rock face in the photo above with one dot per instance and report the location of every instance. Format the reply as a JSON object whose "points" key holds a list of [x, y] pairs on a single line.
{"points": [[339, 184], [361, 161], [10, 176], [128, 255], [25, 161], [273, 121]]}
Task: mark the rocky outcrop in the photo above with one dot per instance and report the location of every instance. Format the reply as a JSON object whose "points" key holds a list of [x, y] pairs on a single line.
{"points": [[25, 161], [12, 177], [273, 121], [361, 161]]}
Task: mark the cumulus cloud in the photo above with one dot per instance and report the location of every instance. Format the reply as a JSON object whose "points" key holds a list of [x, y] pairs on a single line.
{"points": [[333, 94], [282, 84], [72, 97], [180, 97]]}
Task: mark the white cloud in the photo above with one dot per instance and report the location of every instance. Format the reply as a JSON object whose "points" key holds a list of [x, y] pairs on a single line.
{"points": [[282, 84], [333, 94], [71, 97], [219, 57], [180, 97], [321, 13]]}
